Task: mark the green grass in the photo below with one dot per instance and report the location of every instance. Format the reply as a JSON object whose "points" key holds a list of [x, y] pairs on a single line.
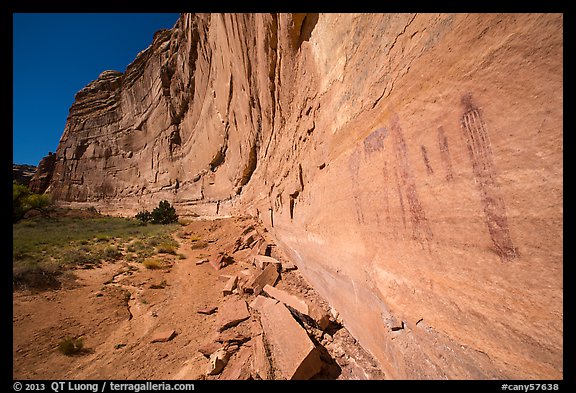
{"points": [[168, 247], [50, 245]]}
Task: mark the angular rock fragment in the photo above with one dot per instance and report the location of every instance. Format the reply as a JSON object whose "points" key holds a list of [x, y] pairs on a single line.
{"points": [[201, 261], [218, 361], [260, 362], [262, 261], [293, 353], [239, 367], [221, 260], [232, 313], [288, 266], [259, 302], [164, 336], [268, 276], [320, 318], [289, 300], [228, 337], [207, 310], [230, 285], [209, 348]]}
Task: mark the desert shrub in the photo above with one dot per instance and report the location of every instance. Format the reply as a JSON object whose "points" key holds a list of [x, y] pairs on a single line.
{"points": [[112, 253], [32, 275], [79, 258], [167, 248], [163, 214], [144, 217], [71, 346], [198, 245], [195, 238], [25, 200], [152, 263]]}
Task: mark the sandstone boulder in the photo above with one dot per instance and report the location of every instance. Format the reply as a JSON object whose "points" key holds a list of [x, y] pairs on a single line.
{"points": [[293, 353], [218, 360], [232, 312], [268, 276]]}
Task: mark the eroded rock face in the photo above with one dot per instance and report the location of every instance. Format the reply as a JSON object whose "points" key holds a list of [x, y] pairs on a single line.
{"points": [[410, 164], [43, 176], [23, 173]]}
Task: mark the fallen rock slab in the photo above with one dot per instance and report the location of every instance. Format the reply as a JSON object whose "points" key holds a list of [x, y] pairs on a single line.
{"points": [[232, 313], [289, 300], [320, 318], [164, 336], [230, 285], [262, 261], [292, 351], [260, 362], [221, 260], [201, 261], [209, 348], [268, 276], [229, 337], [259, 302], [288, 266], [238, 367], [207, 310]]}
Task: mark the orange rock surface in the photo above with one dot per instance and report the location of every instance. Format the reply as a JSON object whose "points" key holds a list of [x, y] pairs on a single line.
{"points": [[409, 164]]}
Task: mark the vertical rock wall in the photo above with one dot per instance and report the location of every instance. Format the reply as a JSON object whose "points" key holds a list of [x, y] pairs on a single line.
{"points": [[411, 164]]}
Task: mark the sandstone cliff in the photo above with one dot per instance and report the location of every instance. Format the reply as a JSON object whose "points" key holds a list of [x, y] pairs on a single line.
{"points": [[23, 173], [410, 164]]}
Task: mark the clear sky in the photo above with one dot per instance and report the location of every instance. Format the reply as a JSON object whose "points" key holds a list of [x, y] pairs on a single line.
{"points": [[55, 56]]}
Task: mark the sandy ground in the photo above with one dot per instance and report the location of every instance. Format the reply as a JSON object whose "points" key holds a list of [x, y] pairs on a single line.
{"points": [[117, 308]]}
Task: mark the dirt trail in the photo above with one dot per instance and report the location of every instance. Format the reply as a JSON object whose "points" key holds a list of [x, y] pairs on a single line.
{"points": [[119, 307]]}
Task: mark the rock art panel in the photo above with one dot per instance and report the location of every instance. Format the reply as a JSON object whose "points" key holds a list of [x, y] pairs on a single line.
{"points": [[344, 135], [480, 151]]}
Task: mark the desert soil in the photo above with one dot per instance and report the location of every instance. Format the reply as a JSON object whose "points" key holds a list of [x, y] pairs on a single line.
{"points": [[117, 309]]}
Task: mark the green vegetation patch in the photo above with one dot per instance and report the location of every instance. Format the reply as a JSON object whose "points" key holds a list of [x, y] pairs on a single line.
{"points": [[45, 246], [71, 346]]}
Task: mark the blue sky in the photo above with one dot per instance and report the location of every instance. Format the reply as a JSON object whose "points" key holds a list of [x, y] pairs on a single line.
{"points": [[56, 55]]}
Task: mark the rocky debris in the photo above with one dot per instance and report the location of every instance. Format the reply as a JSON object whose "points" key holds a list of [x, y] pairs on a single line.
{"points": [[209, 348], [259, 302], [230, 285], [229, 337], [289, 300], [221, 260], [239, 366], [232, 312], [163, 336], [303, 308], [262, 261], [246, 240], [218, 361], [293, 353], [260, 363], [288, 266], [268, 276], [201, 261], [208, 310]]}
